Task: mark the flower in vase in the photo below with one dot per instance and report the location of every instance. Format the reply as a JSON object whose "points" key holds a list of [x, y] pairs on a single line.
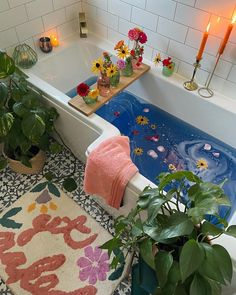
{"points": [[97, 66], [121, 64], [166, 62], [123, 52], [157, 59], [93, 93], [111, 70], [83, 89], [119, 44], [133, 34], [142, 37]]}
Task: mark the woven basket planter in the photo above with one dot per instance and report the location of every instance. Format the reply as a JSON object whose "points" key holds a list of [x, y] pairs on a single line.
{"points": [[37, 163]]}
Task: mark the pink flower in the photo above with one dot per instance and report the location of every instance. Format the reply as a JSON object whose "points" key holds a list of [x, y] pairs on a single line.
{"points": [[121, 64], [142, 38], [94, 265], [133, 34]]}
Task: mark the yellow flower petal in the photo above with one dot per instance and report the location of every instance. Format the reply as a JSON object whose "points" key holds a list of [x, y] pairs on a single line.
{"points": [[111, 70], [97, 66], [44, 209], [123, 52], [138, 151], [93, 93], [142, 120], [52, 206], [31, 207], [202, 164]]}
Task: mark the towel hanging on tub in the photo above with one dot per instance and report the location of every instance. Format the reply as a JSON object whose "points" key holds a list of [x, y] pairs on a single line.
{"points": [[109, 169]]}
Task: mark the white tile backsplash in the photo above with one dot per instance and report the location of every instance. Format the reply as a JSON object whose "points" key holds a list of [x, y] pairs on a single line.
{"points": [[164, 8], [173, 27]]}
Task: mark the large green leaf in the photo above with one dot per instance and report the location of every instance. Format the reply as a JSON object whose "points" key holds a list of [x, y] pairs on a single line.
{"points": [[224, 261], [6, 122], [191, 257], [154, 208], [200, 286], [178, 225], [20, 109], [33, 127], [163, 263], [210, 267], [179, 175], [146, 252], [210, 229], [7, 65], [3, 94], [216, 288], [231, 231]]}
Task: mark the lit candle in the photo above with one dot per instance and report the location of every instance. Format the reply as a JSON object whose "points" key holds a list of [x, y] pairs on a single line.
{"points": [[54, 41], [227, 34], [203, 43]]}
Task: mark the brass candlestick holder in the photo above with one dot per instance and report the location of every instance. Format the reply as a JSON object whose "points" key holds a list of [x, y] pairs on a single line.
{"points": [[206, 91], [192, 85]]}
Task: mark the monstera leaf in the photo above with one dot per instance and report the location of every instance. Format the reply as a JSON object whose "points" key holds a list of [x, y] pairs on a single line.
{"points": [[7, 65]]}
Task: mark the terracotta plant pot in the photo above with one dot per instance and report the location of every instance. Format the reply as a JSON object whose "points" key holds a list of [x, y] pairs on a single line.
{"points": [[37, 163]]}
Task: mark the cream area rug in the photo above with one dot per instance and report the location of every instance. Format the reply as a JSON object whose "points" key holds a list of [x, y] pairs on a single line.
{"points": [[50, 246]]}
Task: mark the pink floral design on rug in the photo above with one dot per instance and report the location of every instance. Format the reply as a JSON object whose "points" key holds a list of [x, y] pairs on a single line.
{"points": [[94, 266]]}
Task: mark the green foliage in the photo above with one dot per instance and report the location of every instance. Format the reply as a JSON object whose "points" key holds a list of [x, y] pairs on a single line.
{"points": [[174, 238]]}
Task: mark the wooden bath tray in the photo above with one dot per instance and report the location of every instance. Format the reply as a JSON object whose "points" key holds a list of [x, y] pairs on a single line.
{"points": [[78, 103]]}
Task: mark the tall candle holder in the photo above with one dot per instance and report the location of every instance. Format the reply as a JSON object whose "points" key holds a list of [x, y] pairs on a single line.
{"points": [[206, 91], [191, 85]]}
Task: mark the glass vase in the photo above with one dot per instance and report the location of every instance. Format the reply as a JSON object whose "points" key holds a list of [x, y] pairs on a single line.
{"points": [[90, 100], [24, 56], [168, 70], [128, 70], [115, 79], [103, 85]]}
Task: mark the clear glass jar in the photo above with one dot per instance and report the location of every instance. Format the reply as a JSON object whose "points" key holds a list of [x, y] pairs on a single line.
{"points": [[104, 85], [115, 79], [128, 70], [168, 70]]}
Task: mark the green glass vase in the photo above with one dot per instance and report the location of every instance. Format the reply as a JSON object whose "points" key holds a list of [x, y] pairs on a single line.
{"points": [[168, 70], [128, 70], [24, 56], [90, 100], [115, 79]]}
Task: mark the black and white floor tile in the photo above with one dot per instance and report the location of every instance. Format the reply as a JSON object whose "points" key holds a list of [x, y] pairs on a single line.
{"points": [[13, 186]]}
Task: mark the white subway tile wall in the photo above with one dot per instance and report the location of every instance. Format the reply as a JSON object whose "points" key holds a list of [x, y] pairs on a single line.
{"points": [[25, 21], [174, 28]]}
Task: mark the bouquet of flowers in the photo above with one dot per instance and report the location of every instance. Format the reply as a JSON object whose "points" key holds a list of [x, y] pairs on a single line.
{"points": [[89, 96], [139, 37], [168, 64], [124, 63]]}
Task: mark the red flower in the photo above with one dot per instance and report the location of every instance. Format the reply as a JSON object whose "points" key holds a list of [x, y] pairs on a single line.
{"points": [[140, 59], [132, 52], [142, 38], [83, 89], [166, 61]]}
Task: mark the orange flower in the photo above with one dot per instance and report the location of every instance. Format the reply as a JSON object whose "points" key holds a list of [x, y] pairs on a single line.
{"points": [[119, 44]]}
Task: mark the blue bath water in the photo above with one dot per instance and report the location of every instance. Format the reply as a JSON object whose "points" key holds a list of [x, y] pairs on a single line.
{"points": [[161, 142]]}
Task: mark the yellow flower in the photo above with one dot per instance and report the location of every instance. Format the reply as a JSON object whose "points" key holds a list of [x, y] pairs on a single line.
{"points": [[97, 66], [111, 70], [157, 59], [93, 93], [123, 51], [138, 151], [202, 164], [170, 66], [153, 126], [141, 120], [172, 167]]}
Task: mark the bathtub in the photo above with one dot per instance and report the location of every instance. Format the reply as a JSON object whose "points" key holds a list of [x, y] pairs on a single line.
{"points": [[69, 64]]}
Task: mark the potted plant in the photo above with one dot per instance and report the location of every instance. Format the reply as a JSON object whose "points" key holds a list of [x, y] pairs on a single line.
{"points": [[25, 123], [171, 232]]}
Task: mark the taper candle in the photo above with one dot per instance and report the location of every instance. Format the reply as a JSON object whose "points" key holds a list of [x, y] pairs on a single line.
{"points": [[226, 37], [203, 43]]}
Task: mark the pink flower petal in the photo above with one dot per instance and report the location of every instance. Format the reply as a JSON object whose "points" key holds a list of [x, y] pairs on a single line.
{"points": [[85, 273], [97, 253], [89, 253], [104, 257], [93, 277], [83, 262], [102, 276], [104, 267]]}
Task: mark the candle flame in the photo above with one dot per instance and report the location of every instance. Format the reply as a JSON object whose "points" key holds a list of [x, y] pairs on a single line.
{"points": [[208, 27], [218, 19], [233, 19]]}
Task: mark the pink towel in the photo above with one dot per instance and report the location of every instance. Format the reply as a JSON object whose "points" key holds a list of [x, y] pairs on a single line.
{"points": [[109, 169]]}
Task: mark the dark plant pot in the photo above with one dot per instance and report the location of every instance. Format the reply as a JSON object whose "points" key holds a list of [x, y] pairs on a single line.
{"points": [[37, 163], [144, 280]]}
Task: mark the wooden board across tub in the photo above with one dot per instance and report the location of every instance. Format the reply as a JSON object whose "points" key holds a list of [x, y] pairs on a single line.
{"points": [[78, 103]]}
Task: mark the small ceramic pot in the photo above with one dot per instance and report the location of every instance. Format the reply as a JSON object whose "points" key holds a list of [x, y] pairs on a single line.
{"points": [[115, 79], [168, 70]]}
